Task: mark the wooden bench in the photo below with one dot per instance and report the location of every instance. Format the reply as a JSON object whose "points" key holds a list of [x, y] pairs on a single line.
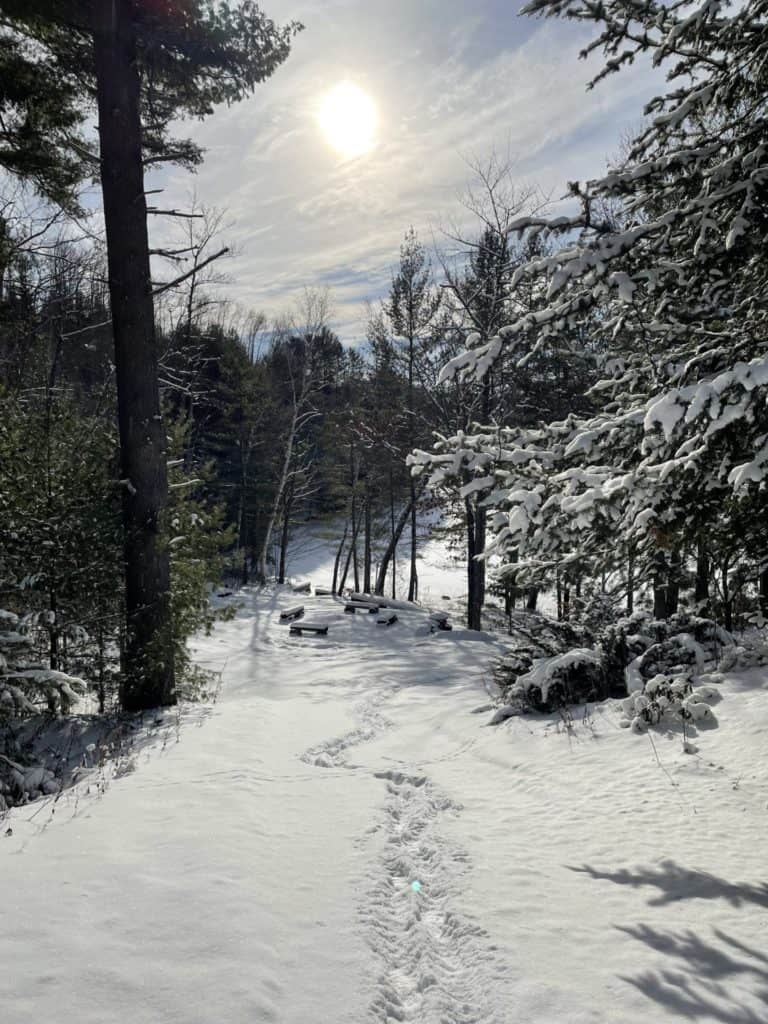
{"points": [[302, 588], [386, 619], [323, 592], [359, 606], [367, 599], [316, 628], [292, 613], [439, 620]]}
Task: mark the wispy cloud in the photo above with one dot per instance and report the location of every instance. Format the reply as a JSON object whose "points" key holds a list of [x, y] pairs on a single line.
{"points": [[450, 83]]}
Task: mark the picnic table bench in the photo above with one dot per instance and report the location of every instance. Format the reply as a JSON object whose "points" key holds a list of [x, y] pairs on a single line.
{"points": [[386, 619], [376, 599], [292, 613], [315, 628], [360, 606], [302, 588], [439, 620], [323, 592]]}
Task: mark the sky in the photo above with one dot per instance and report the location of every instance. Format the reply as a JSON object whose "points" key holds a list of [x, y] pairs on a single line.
{"points": [[452, 82]]}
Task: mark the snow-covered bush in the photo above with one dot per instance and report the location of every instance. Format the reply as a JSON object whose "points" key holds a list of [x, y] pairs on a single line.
{"points": [[748, 654], [669, 698], [539, 678], [572, 677]]}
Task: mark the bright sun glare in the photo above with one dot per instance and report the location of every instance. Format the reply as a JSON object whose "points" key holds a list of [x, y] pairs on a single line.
{"points": [[347, 118]]}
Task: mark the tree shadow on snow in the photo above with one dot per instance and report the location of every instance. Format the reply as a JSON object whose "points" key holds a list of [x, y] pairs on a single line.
{"points": [[699, 983], [718, 978], [675, 883]]}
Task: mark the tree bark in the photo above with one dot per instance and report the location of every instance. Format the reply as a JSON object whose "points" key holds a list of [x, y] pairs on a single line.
{"points": [[149, 667], [701, 587], [475, 522], [660, 582]]}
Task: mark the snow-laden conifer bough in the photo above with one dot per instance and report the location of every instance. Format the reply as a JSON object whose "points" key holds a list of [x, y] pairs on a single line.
{"points": [[662, 269]]}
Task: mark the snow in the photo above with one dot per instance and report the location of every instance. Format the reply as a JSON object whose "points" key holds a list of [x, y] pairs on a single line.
{"points": [[341, 838]]}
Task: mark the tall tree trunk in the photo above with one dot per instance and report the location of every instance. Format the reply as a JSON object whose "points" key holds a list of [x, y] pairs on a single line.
{"points": [[413, 583], [701, 587], [631, 579], [475, 519], [725, 567], [474, 598], [673, 586], [337, 559], [284, 533], [389, 554], [763, 589], [282, 484], [394, 546], [469, 519], [353, 484], [367, 542], [350, 552], [532, 599], [660, 579], [149, 668]]}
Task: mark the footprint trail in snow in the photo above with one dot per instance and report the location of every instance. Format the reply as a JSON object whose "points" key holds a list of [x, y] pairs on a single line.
{"points": [[437, 966]]}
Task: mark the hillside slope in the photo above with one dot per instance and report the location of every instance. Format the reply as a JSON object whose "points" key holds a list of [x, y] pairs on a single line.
{"points": [[343, 840]]}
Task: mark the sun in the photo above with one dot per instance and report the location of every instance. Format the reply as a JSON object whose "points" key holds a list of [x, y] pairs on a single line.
{"points": [[347, 118]]}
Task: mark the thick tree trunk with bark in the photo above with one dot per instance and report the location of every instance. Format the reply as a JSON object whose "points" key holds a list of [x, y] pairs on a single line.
{"points": [[149, 669], [701, 587], [475, 519], [660, 585], [631, 580]]}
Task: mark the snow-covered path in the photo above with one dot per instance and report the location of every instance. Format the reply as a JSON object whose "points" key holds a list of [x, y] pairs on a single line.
{"points": [[339, 840]]}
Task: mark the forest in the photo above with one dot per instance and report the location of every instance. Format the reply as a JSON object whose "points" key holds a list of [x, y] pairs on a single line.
{"points": [[569, 392]]}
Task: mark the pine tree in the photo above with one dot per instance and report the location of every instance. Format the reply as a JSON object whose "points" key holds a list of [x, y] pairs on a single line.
{"points": [[144, 66], [411, 308], [671, 292]]}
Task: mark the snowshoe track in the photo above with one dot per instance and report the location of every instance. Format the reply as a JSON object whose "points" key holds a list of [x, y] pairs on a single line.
{"points": [[437, 965], [332, 753]]}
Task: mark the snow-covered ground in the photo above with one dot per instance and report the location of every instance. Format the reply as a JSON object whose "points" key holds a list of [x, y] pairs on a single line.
{"points": [[442, 575], [340, 839]]}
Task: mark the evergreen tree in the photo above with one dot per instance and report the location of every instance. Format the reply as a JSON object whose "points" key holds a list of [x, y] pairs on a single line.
{"points": [[144, 66], [672, 292]]}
